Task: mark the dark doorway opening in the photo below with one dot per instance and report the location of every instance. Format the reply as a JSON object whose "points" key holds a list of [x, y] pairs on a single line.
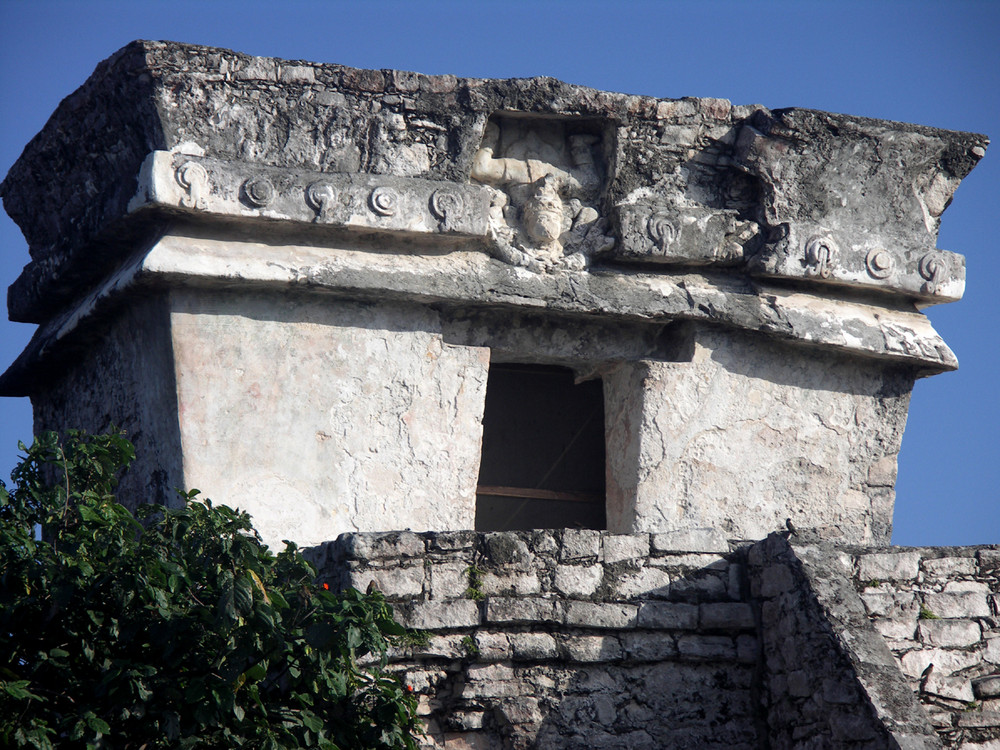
{"points": [[543, 451]]}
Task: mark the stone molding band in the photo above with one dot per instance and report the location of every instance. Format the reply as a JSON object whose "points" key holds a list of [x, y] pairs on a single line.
{"points": [[350, 201], [654, 235], [854, 260]]}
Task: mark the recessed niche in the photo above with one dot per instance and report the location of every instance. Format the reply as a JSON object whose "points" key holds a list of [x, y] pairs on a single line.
{"points": [[543, 451]]}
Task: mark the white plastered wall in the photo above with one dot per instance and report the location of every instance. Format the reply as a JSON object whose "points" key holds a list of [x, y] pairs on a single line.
{"points": [[320, 416]]}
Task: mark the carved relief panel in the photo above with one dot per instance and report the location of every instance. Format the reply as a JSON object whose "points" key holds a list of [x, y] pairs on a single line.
{"points": [[547, 176]]}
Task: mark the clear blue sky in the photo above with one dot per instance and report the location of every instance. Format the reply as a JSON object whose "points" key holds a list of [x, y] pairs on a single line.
{"points": [[930, 63]]}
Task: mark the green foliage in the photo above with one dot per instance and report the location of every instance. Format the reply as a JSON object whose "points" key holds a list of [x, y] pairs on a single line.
{"points": [[475, 590], [176, 627], [418, 638], [926, 614], [470, 646]]}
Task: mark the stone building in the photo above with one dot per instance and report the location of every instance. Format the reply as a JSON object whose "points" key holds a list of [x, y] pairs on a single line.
{"points": [[561, 370]]}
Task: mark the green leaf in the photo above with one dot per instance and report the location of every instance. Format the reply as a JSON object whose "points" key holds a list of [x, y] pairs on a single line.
{"points": [[243, 595], [89, 514], [391, 627], [311, 721], [354, 637], [19, 689], [97, 724]]}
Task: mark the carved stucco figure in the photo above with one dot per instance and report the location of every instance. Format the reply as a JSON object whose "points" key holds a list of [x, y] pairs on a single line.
{"points": [[546, 187]]}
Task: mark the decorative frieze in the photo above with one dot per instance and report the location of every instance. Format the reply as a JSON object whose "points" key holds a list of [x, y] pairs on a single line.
{"points": [[548, 176], [854, 202], [351, 201], [814, 255], [683, 235]]}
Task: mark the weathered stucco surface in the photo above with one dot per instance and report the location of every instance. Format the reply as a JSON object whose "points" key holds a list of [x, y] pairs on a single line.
{"points": [[748, 433], [343, 416], [125, 379]]}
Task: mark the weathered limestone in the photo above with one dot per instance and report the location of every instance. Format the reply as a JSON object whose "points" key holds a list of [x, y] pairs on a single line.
{"points": [[666, 665], [779, 642], [938, 609], [830, 680], [299, 277], [745, 434]]}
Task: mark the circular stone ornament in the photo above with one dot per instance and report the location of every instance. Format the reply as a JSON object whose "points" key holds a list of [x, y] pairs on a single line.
{"points": [[383, 201], [258, 191], [821, 253], [193, 177], [320, 196], [879, 263], [446, 204], [933, 268], [661, 230]]}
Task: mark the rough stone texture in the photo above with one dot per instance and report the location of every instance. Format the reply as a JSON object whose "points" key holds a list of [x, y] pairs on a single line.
{"points": [[287, 281], [823, 416], [689, 182], [819, 201], [695, 167], [738, 421], [830, 679], [939, 610], [558, 669], [370, 415], [743, 436], [793, 657]]}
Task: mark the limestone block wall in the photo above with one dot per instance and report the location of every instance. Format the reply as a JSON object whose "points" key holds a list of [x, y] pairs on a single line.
{"points": [[568, 638], [938, 609], [574, 638], [829, 680]]}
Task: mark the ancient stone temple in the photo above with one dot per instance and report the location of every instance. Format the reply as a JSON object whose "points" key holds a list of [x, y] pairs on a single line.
{"points": [[604, 391]]}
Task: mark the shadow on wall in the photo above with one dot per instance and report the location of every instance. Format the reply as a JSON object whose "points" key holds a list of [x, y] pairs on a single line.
{"points": [[579, 638], [565, 638]]}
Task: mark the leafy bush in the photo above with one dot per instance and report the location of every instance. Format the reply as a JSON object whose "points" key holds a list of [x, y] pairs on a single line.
{"points": [[175, 627]]}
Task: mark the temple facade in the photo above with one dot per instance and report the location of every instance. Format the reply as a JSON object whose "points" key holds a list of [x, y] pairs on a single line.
{"points": [[464, 311]]}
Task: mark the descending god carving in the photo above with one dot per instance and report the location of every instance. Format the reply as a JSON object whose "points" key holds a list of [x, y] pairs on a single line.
{"points": [[547, 181]]}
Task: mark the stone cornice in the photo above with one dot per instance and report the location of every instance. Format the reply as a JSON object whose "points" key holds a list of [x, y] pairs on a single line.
{"points": [[466, 278]]}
